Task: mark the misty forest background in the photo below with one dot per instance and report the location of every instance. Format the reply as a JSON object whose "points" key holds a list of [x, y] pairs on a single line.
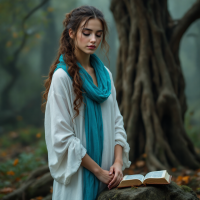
{"points": [[28, 46]]}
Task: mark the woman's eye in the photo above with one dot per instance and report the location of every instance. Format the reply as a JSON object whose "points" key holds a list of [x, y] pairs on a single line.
{"points": [[89, 34], [86, 34]]}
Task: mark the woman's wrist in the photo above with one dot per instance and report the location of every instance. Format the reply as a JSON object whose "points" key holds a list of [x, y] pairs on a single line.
{"points": [[97, 171], [91, 165], [119, 161], [118, 154]]}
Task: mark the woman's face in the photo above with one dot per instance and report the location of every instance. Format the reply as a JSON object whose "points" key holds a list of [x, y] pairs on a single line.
{"points": [[90, 35]]}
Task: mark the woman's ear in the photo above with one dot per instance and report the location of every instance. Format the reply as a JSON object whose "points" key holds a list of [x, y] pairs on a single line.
{"points": [[71, 33]]}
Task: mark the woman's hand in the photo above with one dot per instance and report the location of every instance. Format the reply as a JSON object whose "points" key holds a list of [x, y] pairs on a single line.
{"points": [[104, 176], [116, 169]]}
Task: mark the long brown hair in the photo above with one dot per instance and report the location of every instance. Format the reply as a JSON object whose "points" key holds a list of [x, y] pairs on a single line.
{"points": [[67, 47]]}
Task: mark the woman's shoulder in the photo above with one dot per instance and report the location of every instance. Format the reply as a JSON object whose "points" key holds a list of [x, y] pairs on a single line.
{"points": [[108, 70], [110, 73], [61, 82], [60, 74]]}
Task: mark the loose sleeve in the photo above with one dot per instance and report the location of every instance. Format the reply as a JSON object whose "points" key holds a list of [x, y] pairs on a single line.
{"points": [[120, 133], [65, 151]]}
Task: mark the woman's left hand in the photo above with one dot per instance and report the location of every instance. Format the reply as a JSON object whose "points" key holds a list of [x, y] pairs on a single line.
{"points": [[116, 168]]}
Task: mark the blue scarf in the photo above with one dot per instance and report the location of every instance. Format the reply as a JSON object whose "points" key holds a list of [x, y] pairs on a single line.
{"points": [[93, 117]]}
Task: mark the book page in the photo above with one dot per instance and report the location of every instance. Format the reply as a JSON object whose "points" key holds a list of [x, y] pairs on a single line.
{"points": [[155, 174], [167, 176], [135, 176]]}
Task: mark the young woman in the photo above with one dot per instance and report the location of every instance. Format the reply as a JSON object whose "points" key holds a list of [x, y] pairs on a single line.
{"points": [[86, 141]]}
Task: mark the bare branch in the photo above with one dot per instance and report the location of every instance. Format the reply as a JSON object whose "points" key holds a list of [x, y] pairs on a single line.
{"points": [[191, 15], [23, 28], [11, 67]]}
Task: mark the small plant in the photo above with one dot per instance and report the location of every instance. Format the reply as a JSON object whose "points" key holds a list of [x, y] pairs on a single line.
{"points": [[186, 188], [14, 171], [24, 137], [41, 149]]}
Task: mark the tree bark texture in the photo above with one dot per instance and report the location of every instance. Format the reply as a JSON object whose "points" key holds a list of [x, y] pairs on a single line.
{"points": [[150, 84]]}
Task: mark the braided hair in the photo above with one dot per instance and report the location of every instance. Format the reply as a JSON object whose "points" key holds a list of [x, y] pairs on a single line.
{"points": [[72, 21]]}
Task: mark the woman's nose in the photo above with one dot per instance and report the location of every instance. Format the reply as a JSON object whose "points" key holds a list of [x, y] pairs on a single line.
{"points": [[93, 39]]}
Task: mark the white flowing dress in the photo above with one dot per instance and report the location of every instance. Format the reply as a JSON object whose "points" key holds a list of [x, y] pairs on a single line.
{"points": [[66, 142]]}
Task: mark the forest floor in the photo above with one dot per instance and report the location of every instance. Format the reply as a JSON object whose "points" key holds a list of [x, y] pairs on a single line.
{"points": [[24, 150], [188, 177]]}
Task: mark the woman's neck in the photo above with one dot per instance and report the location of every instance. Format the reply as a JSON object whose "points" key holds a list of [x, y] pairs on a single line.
{"points": [[83, 59]]}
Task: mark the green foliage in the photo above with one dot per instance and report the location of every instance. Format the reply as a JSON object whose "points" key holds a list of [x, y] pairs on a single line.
{"points": [[23, 136], [41, 149], [133, 188], [5, 142], [186, 188], [10, 173], [115, 196], [14, 171], [21, 31], [13, 14]]}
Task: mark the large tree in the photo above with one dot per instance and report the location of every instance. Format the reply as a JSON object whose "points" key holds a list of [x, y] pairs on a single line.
{"points": [[150, 84], [15, 33]]}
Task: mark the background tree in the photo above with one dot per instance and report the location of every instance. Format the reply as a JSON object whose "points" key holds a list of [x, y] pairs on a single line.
{"points": [[150, 84], [14, 40]]}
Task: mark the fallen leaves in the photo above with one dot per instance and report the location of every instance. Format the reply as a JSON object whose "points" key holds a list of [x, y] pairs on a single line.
{"points": [[50, 9], [188, 177], [10, 173], [15, 35], [6, 190], [16, 161], [19, 118], [180, 180], [8, 44], [37, 198], [13, 134], [3, 154], [140, 163], [38, 36], [38, 135], [173, 169], [185, 179], [51, 189]]}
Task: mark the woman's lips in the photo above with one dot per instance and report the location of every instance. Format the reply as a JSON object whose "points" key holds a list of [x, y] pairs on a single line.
{"points": [[91, 47]]}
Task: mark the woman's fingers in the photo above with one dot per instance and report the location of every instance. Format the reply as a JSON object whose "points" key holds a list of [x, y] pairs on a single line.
{"points": [[110, 178], [111, 170], [116, 179], [113, 180], [116, 183]]}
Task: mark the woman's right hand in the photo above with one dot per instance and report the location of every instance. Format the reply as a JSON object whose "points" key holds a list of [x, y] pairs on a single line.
{"points": [[104, 176]]}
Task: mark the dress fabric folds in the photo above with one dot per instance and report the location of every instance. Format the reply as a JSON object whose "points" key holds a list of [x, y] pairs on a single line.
{"points": [[92, 97], [66, 141]]}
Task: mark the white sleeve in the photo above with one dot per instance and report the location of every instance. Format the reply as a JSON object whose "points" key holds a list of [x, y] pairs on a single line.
{"points": [[121, 137], [65, 151], [120, 133]]}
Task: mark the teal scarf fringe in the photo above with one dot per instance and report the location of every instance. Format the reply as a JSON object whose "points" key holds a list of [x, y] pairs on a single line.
{"points": [[93, 97]]}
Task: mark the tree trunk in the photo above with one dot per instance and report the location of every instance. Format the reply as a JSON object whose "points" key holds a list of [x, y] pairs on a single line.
{"points": [[150, 84], [9, 64], [50, 42]]}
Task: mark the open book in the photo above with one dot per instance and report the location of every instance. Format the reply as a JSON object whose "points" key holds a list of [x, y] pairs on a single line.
{"points": [[154, 177]]}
